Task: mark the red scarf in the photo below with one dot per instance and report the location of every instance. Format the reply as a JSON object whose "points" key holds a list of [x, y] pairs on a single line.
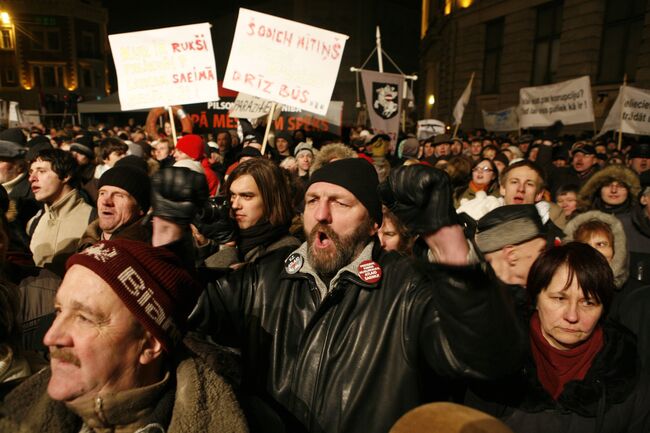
{"points": [[555, 367]]}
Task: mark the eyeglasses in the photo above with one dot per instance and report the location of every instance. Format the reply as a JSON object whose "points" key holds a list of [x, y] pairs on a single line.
{"points": [[483, 169]]}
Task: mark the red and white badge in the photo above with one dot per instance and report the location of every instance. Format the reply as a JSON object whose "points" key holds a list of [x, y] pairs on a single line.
{"points": [[369, 271]]}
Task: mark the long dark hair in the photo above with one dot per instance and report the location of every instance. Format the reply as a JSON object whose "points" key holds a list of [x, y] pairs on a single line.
{"points": [[585, 263]]}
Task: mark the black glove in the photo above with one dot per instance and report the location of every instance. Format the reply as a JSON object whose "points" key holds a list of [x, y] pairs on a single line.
{"points": [[216, 223], [421, 197], [177, 193]]}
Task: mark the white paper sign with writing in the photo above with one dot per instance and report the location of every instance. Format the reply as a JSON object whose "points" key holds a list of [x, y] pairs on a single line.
{"points": [[284, 61], [569, 102], [630, 112], [428, 128], [252, 107], [501, 121], [169, 66]]}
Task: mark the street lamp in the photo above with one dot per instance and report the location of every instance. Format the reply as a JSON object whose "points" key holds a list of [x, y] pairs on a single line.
{"points": [[4, 18]]}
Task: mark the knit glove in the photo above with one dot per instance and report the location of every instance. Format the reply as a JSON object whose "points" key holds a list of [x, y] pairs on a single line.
{"points": [[177, 193], [421, 197]]}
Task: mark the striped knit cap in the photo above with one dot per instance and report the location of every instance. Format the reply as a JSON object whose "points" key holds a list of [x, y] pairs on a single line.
{"points": [[150, 281]]}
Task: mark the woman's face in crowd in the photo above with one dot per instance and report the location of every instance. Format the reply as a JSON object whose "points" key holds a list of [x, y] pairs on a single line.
{"points": [[567, 202], [614, 193], [566, 317], [482, 174], [389, 236]]}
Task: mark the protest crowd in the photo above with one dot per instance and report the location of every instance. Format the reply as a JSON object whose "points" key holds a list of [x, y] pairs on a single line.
{"points": [[323, 284]]}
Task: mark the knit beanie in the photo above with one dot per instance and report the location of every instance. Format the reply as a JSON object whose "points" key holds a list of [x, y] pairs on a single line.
{"points": [[192, 146], [132, 180], [508, 225], [357, 176], [150, 281]]}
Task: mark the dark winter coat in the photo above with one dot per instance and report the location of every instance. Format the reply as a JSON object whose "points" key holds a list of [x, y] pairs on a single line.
{"points": [[612, 398], [357, 359]]}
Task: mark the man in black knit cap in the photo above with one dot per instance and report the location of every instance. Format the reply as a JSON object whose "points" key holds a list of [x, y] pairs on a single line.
{"points": [[341, 336], [124, 196]]}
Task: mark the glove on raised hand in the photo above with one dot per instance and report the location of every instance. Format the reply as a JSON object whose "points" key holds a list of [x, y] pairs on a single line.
{"points": [[421, 197], [177, 193], [216, 223]]}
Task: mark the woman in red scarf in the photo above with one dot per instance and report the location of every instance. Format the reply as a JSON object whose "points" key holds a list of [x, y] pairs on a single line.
{"points": [[583, 373]]}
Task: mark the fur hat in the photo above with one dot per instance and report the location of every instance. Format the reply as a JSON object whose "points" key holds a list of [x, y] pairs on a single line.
{"points": [[329, 152], [446, 417], [151, 282]]}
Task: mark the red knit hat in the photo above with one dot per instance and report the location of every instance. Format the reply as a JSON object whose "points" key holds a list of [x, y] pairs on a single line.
{"points": [[192, 146], [152, 283]]}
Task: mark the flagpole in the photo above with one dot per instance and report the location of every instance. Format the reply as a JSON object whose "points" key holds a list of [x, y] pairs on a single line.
{"points": [[268, 128], [620, 124], [380, 58]]}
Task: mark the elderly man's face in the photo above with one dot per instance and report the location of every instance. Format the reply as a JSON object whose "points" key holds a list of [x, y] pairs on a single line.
{"points": [[337, 227], [115, 208], [95, 342]]}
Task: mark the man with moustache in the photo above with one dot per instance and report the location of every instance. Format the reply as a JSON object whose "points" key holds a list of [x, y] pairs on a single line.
{"points": [[583, 166], [117, 361], [341, 336]]}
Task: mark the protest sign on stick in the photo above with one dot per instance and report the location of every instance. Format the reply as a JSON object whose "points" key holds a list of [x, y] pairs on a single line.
{"points": [[501, 121], [428, 128], [630, 113], [284, 61], [164, 67], [569, 102]]}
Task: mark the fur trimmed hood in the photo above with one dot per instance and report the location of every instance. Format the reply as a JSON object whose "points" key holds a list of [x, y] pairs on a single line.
{"points": [[619, 263], [616, 172]]}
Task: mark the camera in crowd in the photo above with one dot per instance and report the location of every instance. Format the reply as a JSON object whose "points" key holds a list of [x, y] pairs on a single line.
{"points": [[214, 209]]}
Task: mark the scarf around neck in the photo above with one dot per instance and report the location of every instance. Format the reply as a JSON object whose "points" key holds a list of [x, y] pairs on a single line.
{"points": [[262, 233], [555, 367]]}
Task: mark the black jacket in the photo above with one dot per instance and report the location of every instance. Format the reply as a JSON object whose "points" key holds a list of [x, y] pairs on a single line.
{"points": [[364, 355], [612, 398]]}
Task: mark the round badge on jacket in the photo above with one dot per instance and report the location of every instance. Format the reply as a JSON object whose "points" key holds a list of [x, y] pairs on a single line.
{"points": [[369, 271], [293, 263]]}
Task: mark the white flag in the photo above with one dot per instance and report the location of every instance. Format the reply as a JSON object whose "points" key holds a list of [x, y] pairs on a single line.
{"points": [[630, 112], [459, 109]]}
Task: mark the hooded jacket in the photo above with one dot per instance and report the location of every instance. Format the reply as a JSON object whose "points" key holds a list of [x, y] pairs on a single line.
{"points": [[354, 355], [619, 262], [590, 191]]}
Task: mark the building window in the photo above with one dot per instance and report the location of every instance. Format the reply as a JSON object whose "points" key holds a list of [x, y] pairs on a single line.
{"points": [[6, 40], [46, 40], [48, 76], [9, 77], [621, 39], [88, 44], [547, 43], [492, 61], [87, 78]]}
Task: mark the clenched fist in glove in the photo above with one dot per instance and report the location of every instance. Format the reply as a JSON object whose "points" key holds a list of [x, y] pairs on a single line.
{"points": [[421, 197], [177, 194]]}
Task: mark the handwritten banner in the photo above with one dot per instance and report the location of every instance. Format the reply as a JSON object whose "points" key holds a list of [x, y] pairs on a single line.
{"points": [[284, 61], [169, 66], [630, 112], [501, 121], [569, 102], [252, 107]]}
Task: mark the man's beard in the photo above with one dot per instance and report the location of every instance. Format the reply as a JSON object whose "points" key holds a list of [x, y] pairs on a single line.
{"points": [[327, 262]]}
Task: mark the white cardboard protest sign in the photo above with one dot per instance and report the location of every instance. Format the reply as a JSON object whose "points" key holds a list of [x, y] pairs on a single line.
{"points": [[501, 121], [428, 128], [251, 107], [284, 61], [169, 66], [569, 102], [630, 112]]}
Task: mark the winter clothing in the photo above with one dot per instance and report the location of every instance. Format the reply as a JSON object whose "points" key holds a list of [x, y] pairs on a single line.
{"points": [[350, 355], [163, 307], [558, 176], [192, 398], [612, 397], [22, 207], [590, 191], [636, 224], [132, 180], [619, 261], [57, 230], [135, 231], [192, 146]]}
